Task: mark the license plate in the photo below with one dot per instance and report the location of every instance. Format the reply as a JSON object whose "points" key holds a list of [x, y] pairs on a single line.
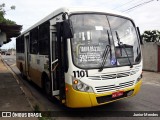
{"points": [[117, 94]]}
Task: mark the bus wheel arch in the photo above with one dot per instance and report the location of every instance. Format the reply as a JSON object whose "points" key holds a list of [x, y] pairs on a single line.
{"points": [[46, 84], [22, 71], [21, 67]]}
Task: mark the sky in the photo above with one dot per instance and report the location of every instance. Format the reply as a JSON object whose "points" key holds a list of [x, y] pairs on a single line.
{"points": [[28, 12]]}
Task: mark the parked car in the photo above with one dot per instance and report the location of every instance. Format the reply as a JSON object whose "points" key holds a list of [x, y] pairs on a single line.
{"points": [[7, 53], [3, 52]]}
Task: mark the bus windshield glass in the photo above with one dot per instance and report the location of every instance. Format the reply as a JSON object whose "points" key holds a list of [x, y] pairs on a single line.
{"points": [[93, 32]]}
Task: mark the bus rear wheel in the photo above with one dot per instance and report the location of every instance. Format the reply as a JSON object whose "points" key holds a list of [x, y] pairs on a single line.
{"points": [[21, 70]]}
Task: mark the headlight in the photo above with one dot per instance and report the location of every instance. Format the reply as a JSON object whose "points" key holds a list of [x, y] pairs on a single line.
{"points": [[80, 86], [139, 78]]}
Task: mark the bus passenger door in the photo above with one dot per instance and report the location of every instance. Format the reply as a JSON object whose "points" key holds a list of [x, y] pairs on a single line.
{"points": [[54, 61], [58, 81], [27, 55]]}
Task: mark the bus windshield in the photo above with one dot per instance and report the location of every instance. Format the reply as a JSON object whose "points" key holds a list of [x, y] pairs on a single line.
{"points": [[93, 32]]}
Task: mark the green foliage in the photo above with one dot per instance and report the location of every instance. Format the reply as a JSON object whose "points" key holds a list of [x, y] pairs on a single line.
{"points": [[2, 14], [151, 36]]}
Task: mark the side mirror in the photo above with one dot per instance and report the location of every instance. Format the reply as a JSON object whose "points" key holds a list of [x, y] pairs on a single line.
{"points": [[67, 30], [141, 41]]}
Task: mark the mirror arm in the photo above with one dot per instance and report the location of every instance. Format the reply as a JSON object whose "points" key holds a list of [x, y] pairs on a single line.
{"points": [[64, 17]]}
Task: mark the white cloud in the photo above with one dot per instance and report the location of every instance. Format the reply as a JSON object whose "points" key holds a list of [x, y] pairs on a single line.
{"points": [[147, 17]]}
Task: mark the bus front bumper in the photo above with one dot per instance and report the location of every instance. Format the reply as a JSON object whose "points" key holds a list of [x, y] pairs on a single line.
{"points": [[77, 99]]}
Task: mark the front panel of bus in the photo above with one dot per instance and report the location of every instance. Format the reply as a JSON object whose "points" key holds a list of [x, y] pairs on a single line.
{"points": [[104, 60]]}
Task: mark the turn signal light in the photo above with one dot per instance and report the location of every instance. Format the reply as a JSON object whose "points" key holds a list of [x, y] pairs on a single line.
{"points": [[66, 89], [75, 82]]}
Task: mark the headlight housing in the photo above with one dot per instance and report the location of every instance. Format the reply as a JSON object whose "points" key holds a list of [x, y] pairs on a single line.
{"points": [[80, 86], [139, 78]]}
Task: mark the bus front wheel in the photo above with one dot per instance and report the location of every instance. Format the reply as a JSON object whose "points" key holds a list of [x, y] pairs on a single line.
{"points": [[47, 87]]}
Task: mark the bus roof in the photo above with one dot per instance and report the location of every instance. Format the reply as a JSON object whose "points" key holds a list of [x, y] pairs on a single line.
{"points": [[71, 10]]}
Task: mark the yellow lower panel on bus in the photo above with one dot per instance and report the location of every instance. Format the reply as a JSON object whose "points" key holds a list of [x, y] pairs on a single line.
{"points": [[77, 99], [35, 76]]}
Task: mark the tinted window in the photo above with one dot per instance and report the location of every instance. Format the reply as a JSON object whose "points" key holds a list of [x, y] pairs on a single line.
{"points": [[20, 44], [34, 41], [44, 38]]}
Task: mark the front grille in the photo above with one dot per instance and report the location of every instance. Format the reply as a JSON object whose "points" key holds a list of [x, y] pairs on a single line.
{"points": [[114, 87], [95, 78], [125, 74], [108, 98], [103, 77], [113, 75]]}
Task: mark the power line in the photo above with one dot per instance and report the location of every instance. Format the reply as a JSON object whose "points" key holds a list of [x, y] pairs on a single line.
{"points": [[133, 4], [138, 5], [123, 4]]}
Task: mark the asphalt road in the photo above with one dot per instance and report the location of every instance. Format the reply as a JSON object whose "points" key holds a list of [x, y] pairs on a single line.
{"points": [[148, 98]]}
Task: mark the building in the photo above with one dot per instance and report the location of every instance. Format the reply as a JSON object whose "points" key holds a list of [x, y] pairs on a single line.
{"points": [[8, 31], [151, 56]]}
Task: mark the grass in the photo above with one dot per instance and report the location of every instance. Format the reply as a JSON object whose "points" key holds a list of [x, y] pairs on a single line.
{"points": [[37, 109]]}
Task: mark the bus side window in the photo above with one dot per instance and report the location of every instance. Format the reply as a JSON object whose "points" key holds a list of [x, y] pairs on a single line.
{"points": [[44, 37], [20, 44], [34, 41]]}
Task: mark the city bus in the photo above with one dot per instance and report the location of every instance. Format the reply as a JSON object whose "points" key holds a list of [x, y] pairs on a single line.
{"points": [[84, 57]]}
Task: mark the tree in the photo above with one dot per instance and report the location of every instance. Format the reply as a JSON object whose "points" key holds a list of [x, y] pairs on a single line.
{"points": [[8, 28], [151, 36], [3, 20]]}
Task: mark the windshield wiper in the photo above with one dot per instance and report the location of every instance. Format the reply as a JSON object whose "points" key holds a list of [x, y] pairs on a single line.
{"points": [[105, 54], [104, 57], [121, 44]]}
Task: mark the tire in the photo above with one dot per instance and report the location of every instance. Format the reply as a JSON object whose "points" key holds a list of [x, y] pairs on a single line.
{"points": [[47, 87]]}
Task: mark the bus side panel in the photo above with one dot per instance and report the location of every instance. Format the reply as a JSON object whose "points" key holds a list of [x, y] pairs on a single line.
{"points": [[37, 65], [34, 72], [35, 76]]}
